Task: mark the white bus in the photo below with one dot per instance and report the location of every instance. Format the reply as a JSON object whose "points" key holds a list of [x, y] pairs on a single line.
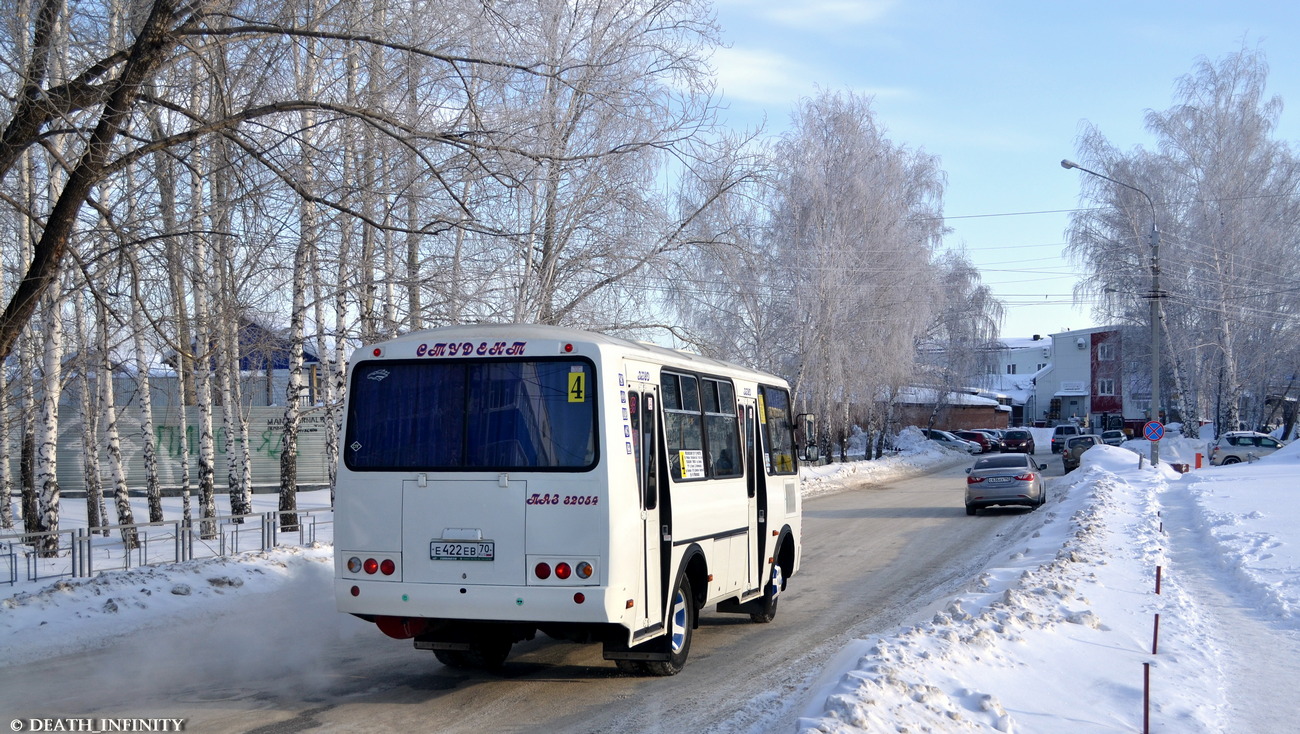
{"points": [[496, 481]]}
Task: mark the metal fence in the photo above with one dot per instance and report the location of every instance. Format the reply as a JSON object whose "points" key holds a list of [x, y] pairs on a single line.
{"points": [[85, 552]]}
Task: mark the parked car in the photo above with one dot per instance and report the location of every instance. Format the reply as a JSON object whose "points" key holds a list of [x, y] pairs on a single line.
{"points": [[979, 437], [1113, 438], [995, 436], [1007, 479], [1074, 448], [1018, 439], [947, 440], [1062, 432], [1235, 447]]}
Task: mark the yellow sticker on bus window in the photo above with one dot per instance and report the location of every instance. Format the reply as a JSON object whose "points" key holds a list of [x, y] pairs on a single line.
{"points": [[577, 387], [762, 410]]}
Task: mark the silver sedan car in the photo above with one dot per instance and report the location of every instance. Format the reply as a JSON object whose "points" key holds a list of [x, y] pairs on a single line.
{"points": [[1005, 479]]}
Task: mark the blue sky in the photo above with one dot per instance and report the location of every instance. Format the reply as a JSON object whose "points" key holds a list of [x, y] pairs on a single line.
{"points": [[999, 91]]}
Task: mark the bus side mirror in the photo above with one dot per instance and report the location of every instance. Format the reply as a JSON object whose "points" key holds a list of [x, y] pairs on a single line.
{"points": [[806, 424]]}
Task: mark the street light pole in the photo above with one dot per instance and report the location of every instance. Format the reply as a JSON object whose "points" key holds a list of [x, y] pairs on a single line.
{"points": [[1154, 298]]}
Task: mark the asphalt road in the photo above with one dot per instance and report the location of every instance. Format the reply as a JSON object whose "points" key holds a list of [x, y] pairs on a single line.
{"points": [[873, 557]]}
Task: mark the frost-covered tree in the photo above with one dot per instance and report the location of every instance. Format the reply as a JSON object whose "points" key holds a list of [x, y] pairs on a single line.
{"points": [[1223, 189], [960, 346], [855, 219]]}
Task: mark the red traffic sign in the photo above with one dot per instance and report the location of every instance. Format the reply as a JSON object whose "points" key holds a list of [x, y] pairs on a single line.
{"points": [[1153, 431]]}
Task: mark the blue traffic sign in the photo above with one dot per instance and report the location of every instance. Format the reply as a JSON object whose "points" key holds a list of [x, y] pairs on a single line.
{"points": [[1153, 431]]}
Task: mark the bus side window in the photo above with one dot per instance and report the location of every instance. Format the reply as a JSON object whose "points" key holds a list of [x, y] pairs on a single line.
{"points": [[722, 429], [778, 431], [649, 446], [634, 416], [683, 427], [747, 417]]}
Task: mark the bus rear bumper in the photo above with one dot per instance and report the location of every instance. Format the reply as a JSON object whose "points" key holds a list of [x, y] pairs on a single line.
{"points": [[579, 604]]}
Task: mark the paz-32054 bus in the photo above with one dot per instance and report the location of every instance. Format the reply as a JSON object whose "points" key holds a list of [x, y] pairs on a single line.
{"points": [[496, 481]]}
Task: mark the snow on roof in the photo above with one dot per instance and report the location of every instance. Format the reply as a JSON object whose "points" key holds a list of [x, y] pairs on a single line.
{"points": [[1025, 342], [929, 396]]}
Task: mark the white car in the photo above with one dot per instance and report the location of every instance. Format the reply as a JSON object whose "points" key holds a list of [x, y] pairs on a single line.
{"points": [[1235, 447], [948, 440]]}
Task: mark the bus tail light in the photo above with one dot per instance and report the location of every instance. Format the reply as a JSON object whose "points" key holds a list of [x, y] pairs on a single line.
{"points": [[579, 598], [371, 565], [558, 570]]}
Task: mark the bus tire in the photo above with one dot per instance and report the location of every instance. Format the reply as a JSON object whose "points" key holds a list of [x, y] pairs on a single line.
{"points": [[490, 654], [770, 597], [677, 643], [631, 667], [453, 658], [484, 654]]}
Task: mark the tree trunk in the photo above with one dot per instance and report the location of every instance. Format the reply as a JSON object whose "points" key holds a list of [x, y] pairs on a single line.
{"points": [[86, 367], [47, 475], [148, 449], [117, 467], [293, 393], [6, 480]]}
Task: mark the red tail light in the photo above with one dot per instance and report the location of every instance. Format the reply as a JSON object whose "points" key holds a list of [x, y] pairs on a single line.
{"points": [[974, 480], [387, 567], [563, 571], [543, 570], [1025, 477], [371, 565]]}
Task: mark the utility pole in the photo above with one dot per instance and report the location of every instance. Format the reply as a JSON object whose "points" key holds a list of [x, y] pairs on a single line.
{"points": [[1154, 296]]}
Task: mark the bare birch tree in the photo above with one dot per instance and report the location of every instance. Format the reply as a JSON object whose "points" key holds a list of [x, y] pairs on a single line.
{"points": [[854, 223], [1222, 187]]}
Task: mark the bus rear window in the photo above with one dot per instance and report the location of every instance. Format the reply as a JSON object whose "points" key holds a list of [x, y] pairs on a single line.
{"points": [[424, 415]]}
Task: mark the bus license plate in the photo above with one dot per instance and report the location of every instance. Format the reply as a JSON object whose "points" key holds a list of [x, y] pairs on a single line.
{"points": [[457, 550]]}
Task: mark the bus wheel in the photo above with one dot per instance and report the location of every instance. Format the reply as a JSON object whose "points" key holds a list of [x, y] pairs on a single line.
{"points": [[487, 654], [490, 654], [770, 598], [631, 667], [453, 658], [677, 643]]}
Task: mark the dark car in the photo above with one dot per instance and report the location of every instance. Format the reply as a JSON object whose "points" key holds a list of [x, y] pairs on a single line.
{"points": [[1018, 440], [1005, 480], [1072, 454], [980, 438], [995, 437]]}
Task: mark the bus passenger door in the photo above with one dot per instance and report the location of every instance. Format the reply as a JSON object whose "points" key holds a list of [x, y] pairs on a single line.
{"points": [[757, 491], [643, 405]]}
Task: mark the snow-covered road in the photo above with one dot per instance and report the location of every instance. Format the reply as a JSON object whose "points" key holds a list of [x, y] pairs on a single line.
{"points": [[1044, 628]]}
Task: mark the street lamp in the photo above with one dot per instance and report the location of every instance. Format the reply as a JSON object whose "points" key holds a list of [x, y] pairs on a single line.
{"points": [[1154, 297]]}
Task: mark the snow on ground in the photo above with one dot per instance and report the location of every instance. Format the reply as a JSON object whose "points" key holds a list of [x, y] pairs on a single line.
{"points": [[1052, 637], [1055, 636]]}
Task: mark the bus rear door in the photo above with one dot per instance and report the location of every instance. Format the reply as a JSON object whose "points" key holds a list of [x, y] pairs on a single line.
{"points": [[453, 530], [643, 407]]}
